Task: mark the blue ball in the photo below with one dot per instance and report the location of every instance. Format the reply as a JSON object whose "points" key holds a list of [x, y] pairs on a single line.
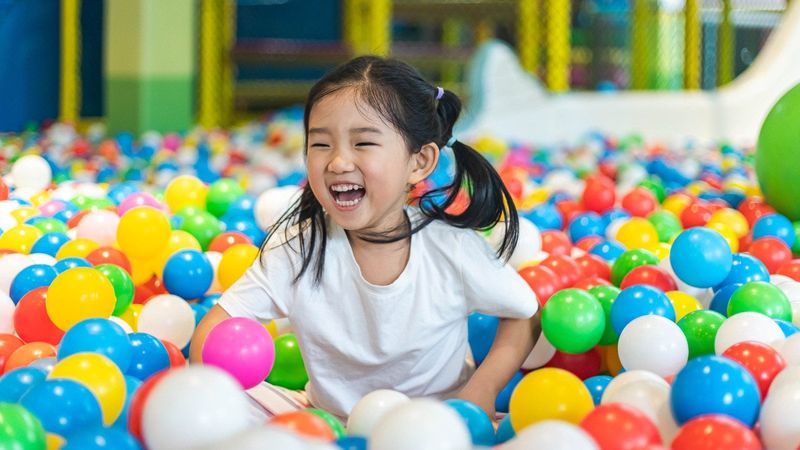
{"points": [[71, 263], [63, 406], [148, 356], [477, 421], [722, 297], [745, 268], [210, 300], [701, 257], [597, 386], [241, 209], [248, 228], [14, 384], [607, 250], [788, 328], [200, 311], [614, 214], [30, 278], [504, 397], [50, 243], [775, 225], [131, 385], [480, 332], [639, 300], [119, 192], [714, 385], [99, 438], [586, 224], [188, 274], [505, 432], [352, 443], [101, 336], [545, 217]]}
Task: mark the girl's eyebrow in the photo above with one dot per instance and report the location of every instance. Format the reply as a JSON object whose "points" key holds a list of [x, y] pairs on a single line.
{"points": [[365, 130], [319, 131]]}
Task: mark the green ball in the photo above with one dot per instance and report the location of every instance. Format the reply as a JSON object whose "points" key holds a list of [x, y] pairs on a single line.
{"points": [[122, 283], [700, 328], [630, 260], [289, 370], [761, 297], [51, 225], [573, 320], [221, 194], [777, 157], [655, 186], [606, 296], [666, 224], [202, 225], [796, 245], [19, 429], [331, 420]]}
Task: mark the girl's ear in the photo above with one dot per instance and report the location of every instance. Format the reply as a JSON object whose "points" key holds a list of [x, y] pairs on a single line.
{"points": [[423, 162]]}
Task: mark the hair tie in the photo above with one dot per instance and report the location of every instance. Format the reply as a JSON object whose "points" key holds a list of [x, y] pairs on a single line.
{"points": [[439, 93], [450, 142]]}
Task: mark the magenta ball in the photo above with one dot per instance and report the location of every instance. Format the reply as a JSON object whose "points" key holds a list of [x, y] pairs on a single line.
{"points": [[138, 199], [243, 348]]}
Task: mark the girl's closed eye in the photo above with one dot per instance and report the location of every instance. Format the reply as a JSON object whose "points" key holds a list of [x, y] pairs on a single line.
{"points": [[366, 144], [319, 145]]}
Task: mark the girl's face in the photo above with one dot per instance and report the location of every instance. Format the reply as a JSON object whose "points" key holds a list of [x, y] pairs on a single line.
{"points": [[359, 166]]}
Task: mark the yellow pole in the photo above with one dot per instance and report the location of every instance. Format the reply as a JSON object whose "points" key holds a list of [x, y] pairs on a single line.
{"points": [[691, 42], [528, 28], [726, 46], [451, 38], [484, 31], [354, 33], [229, 38], [210, 60], [379, 24], [70, 104], [558, 45], [639, 63]]}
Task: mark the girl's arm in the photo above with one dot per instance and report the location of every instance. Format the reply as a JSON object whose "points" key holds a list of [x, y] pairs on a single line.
{"points": [[512, 344], [214, 316]]}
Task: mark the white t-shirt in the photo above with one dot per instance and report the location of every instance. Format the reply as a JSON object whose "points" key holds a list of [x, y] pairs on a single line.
{"points": [[410, 335]]}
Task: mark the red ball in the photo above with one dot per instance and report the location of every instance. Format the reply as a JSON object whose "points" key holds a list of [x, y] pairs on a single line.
{"points": [[588, 283], [109, 255], [3, 190], [8, 345], [753, 208], [144, 292], [542, 280], [695, 215], [582, 365], [176, 358], [744, 242], [568, 209], [227, 239], [791, 269], [588, 242], [762, 361], [593, 266], [715, 432], [599, 194], [556, 242], [620, 427], [138, 400], [306, 424], [640, 202], [567, 271], [651, 276], [31, 321], [771, 251]]}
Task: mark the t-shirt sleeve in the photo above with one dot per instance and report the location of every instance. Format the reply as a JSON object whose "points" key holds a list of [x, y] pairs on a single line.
{"points": [[264, 290], [491, 286]]}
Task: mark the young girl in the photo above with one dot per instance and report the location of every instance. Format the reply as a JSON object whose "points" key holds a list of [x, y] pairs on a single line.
{"points": [[377, 291]]}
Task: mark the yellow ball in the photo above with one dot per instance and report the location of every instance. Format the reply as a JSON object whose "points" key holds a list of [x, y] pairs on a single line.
{"points": [[638, 233], [178, 240], [236, 259], [661, 250], [727, 233], [39, 198], [20, 238], [549, 394], [733, 219], [24, 213], [683, 303], [143, 232], [184, 191], [676, 203], [76, 248], [141, 270], [100, 375], [54, 441], [610, 358], [131, 315], [77, 294], [272, 327]]}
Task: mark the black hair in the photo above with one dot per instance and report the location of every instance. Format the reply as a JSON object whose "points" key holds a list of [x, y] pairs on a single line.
{"points": [[402, 97]]}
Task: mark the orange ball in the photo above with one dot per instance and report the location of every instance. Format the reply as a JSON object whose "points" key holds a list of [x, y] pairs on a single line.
{"points": [[306, 424], [29, 353], [8, 345]]}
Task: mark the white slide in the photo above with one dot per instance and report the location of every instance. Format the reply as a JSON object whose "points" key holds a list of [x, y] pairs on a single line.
{"points": [[508, 103]]}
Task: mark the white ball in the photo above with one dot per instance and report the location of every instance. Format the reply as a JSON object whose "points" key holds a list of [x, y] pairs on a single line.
{"points": [[650, 397], [655, 344], [192, 407], [31, 172], [11, 265], [778, 280], [542, 352], [529, 244], [371, 408], [99, 226], [746, 326], [552, 435], [787, 377], [421, 424], [789, 348], [214, 258], [261, 438], [168, 317], [613, 228], [125, 325], [271, 205], [791, 289], [6, 314], [628, 377], [780, 423], [42, 258], [703, 295]]}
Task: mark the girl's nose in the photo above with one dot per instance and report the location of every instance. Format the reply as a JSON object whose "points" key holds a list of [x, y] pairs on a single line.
{"points": [[341, 163]]}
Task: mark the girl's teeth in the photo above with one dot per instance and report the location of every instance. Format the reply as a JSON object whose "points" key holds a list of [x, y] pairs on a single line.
{"points": [[348, 202]]}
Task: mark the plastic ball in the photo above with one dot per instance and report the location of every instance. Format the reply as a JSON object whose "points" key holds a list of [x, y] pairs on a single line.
{"points": [[335, 424], [167, 317], [639, 202], [31, 321], [221, 195], [148, 356], [188, 274], [305, 424], [700, 328], [50, 243], [225, 240], [178, 240], [775, 225], [100, 375], [99, 226], [683, 303], [200, 224], [101, 438], [586, 224], [778, 418], [109, 255], [666, 225], [30, 278], [556, 243], [701, 257], [599, 194], [98, 336], [234, 263], [761, 297], [573, 321], [714, 385], [582, 365], [651, 276], [746, 326], [762, 361], [549, 394], [553, 435], [713, 432], [122, 284], [78, 294], [771, 251], [20, 238], [733, 219], [636, 301], [618, 425], [22, 430], [241, 347], [630, 260], [31, 172], [745, 268], [637, 233], [289, 370], [71, 263], [184, 191], [371, 408], [15, 383], [138, 199], [63, 406], [606, 296], [597, 385], [607, 250], [542, 280], [143, 232], [505, 432]]}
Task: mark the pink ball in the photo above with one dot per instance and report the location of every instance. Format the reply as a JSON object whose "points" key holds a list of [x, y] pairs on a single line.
{"points": [[243, 348], [52, 207], [138, 199]]}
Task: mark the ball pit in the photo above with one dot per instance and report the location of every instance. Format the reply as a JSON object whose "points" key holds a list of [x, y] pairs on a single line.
{"points": [[657, 279]]}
